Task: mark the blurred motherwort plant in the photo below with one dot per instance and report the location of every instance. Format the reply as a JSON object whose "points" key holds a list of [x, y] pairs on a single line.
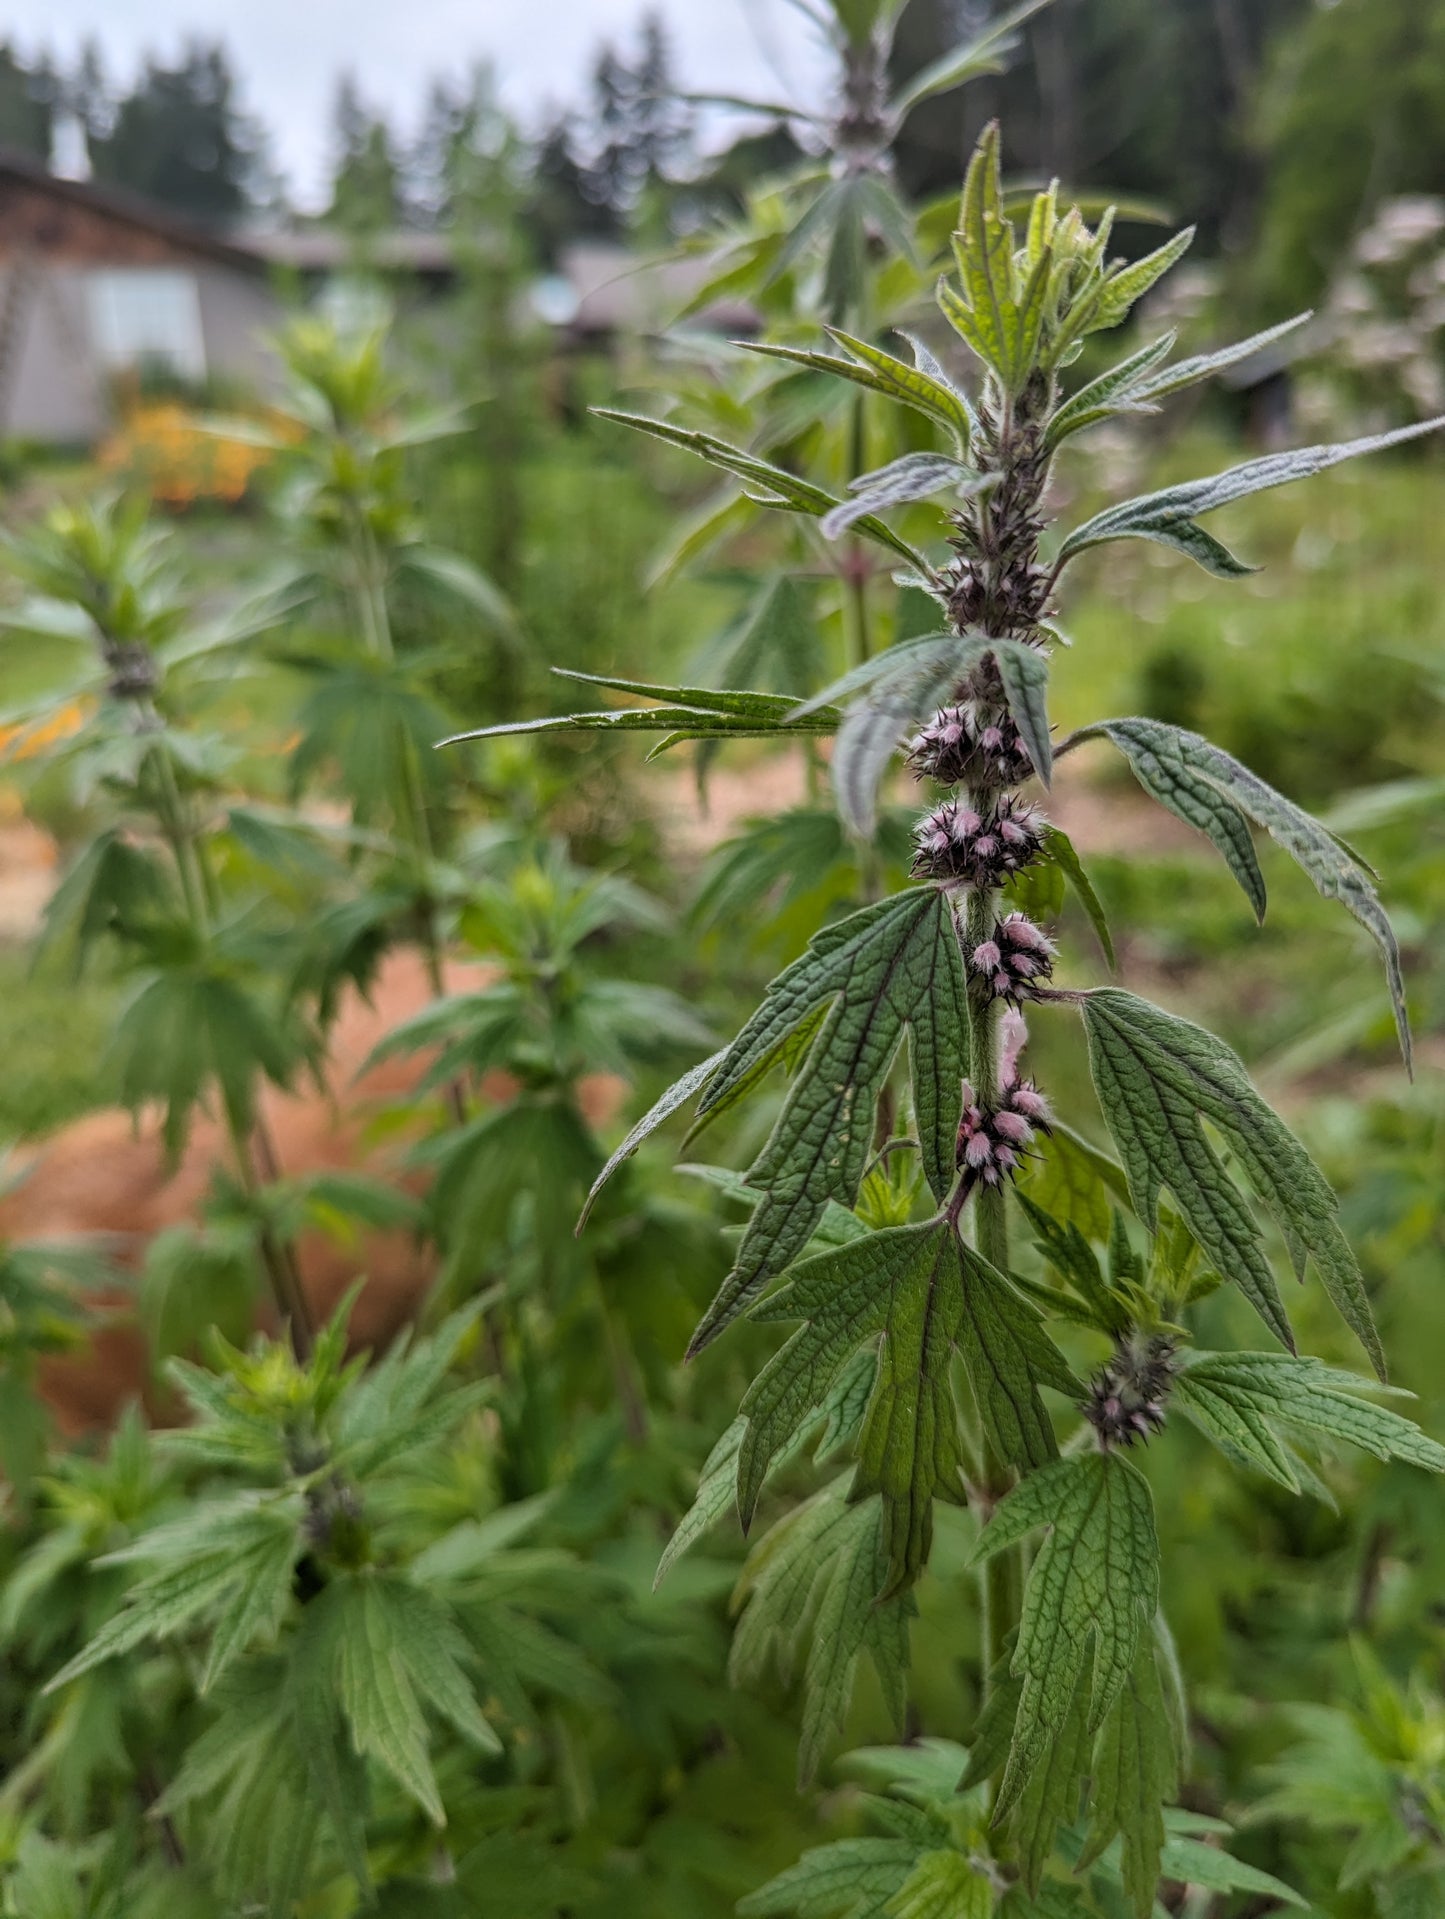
{"points": [[1382, 328], [923, 1216]]}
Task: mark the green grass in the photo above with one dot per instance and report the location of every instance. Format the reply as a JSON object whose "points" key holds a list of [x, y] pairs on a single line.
{"points": [[53, 1037]]}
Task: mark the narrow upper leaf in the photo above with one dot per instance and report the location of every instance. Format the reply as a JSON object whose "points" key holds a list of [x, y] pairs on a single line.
{"points": [[914, 476], [1169, 515], [1211, 790], [1157, 1077], [882, 373], [678, 1094], [769, 485]]}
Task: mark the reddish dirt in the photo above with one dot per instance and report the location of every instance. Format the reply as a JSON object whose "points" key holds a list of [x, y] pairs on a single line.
{"points": [[1117, 819], [107, 1175]]}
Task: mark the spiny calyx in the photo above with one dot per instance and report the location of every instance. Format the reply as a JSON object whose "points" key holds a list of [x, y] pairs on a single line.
{"points": [[1129, 1395], [983, 849]]}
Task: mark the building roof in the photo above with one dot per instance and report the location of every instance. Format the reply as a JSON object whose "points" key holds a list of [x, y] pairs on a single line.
{"points": [[328, 250], [129, 209]]}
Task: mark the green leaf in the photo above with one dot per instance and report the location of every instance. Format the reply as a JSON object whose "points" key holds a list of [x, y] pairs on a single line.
{"points": [[1157, 1078], [853, 1879], [1212, 791], [943, 1885], [769, 485], [1124, 286], [901, 685], [1169, 516], [904, 1284], [466, 581], [1076, 1182], [433, 1651], [1066, 1249], [1201, 366], [1008, 1356], [1024, 671], [677, 1095], [1092, 1589], [1194, 1863], [1168, 764], [1049, 1797], [987, 52], [1059, 848], [227, 1565], [377, 1693], [1242, 1400], [717, 1492], [1114, 392], [1135, 1775], [914, 476], [817, 1576], [684, 713], [880, 372], [894, 965], [1000, 318]]}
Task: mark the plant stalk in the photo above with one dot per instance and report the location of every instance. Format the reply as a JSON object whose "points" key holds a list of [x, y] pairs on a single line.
{"points": [[1001, 1578], [375, 620]]}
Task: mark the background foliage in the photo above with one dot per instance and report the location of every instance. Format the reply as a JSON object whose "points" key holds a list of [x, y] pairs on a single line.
{"points": [[483, 1513]]}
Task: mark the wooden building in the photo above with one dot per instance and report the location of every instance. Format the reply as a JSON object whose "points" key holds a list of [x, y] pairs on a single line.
{"points": [[97, 285]]}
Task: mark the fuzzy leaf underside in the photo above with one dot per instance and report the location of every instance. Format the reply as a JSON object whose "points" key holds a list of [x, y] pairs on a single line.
{"points": [[891, 967], [914, 476], [1157, 1078], [1209, 789], [1170, 515], [1092, 1589], [902, 686], [1248, 1402]]}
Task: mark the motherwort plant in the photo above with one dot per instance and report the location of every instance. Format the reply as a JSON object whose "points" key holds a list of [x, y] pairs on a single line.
{"points": [[904, 1291]]}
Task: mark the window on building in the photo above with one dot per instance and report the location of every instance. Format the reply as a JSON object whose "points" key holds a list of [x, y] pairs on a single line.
{"points": [[147, 320]]}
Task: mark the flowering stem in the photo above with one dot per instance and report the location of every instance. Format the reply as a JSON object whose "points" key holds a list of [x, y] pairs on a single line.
{"points": [[1001, 1578]]}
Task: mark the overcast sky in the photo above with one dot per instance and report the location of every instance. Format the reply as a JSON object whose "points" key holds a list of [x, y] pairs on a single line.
{"points": [[289, 52]]}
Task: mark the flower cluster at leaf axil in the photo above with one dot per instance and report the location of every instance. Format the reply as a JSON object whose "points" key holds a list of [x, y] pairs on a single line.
{"points": [[1128, 1396], [970, 745], [993, 1139], [1015, 960]]}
